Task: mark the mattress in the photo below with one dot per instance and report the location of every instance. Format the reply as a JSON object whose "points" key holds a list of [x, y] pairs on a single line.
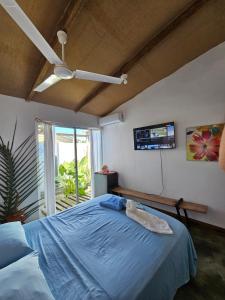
{"points": [[93, 252]]}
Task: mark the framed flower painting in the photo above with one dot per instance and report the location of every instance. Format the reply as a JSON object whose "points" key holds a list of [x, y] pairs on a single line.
{"points": [[203, 142]]}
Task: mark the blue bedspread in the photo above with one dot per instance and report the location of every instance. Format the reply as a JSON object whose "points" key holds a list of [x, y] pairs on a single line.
{"points": [[92, 252]]}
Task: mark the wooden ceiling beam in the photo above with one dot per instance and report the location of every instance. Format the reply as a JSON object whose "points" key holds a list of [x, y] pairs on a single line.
{"points": [[70, 12], [151, 43]]}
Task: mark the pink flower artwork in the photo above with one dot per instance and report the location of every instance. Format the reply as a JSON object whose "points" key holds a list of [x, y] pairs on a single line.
{"points": [[203, 142]]}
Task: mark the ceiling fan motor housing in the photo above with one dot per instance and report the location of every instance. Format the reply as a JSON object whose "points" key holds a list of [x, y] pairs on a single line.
{"points": [[62, 37], [63, 72]]}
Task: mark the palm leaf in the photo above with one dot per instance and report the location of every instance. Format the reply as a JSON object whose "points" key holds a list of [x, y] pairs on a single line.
{"points": [[23, 153], [13, 138], [22, 145], [27, 175], [20, 175]]}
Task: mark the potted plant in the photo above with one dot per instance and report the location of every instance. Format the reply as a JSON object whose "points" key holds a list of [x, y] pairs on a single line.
{"points": [[20, 175]]}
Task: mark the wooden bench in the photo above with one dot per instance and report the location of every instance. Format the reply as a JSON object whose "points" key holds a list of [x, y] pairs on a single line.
{"points": [[178, 204]]}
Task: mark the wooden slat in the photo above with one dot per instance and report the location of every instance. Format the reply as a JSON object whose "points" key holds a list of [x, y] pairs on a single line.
{"points": [[67, 202], [63, 202], [151, 43], [73, 198], [60, 203], [86, 197], [144, 196], [43, 212], [82, 200], [59, 207]]}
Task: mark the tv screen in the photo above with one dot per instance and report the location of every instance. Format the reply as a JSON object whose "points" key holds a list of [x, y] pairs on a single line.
{"points": [[161, 136]]}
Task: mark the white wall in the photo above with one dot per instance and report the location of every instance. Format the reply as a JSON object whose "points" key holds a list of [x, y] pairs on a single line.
{"points": [[194, 95], [25, 112]]}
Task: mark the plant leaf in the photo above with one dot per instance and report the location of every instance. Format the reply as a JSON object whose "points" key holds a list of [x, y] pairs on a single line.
{"points": [[20, 175], [13, 138]]}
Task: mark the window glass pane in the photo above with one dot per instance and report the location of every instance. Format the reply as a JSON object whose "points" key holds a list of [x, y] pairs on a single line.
{"points": [[83, 164], [65, 175]]}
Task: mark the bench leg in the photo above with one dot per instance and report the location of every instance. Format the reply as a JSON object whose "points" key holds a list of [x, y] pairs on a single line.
{"points": [[178, 212], [179, 217], [186, 217], [178, 208]]}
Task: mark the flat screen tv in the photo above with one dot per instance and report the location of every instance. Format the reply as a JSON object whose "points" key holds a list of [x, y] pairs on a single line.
{"points": [[160, 136]]}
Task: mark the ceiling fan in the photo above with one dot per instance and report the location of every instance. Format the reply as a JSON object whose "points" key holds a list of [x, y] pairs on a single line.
{"points": [[61, 70]]}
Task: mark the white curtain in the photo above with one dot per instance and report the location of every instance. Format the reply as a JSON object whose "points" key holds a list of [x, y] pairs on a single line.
{"points": [[49, 169], [96, 153]]}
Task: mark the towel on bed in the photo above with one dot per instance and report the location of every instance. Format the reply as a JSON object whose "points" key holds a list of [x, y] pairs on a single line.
{"points": [[149, 221], [114, 202]]}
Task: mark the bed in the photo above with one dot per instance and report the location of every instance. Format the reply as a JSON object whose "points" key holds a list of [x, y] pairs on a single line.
{"points": [[92, 252]]}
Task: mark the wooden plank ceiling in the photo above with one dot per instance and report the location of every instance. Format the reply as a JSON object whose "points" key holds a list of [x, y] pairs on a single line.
{"points": [[148, 39]]}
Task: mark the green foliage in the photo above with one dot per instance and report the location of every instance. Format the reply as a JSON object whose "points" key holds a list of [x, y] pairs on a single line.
{"points": [[66, 178], [20, 176]]}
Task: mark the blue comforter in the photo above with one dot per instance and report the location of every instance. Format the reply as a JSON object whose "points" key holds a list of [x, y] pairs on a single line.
{"points": [[93, 252]]}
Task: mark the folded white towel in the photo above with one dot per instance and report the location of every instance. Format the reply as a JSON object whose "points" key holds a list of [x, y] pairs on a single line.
{"points": [[146, 219]]}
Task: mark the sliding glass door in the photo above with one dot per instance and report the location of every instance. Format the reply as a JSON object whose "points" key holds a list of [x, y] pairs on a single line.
{"points": [[69, 157], [65, 172], [72, 167]]}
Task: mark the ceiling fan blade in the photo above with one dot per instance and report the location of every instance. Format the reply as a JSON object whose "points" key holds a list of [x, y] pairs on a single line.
{"points": [[52, 79], [18, 15], [97, 77]]}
